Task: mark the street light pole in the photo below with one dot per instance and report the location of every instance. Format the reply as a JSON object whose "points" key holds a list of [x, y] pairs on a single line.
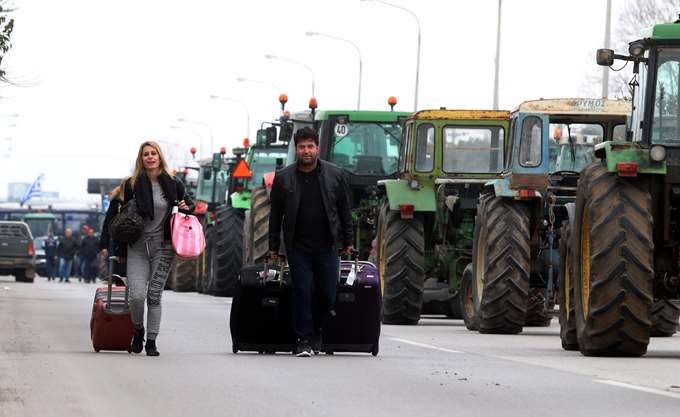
{"points": [[242, 103], [415, 100], [310, 33], [607, 41], [298, 63], [497, 63], [206, 125]]}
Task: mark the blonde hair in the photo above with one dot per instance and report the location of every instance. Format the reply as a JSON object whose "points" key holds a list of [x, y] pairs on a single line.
{"points": [[139, 164], [119, 190]]}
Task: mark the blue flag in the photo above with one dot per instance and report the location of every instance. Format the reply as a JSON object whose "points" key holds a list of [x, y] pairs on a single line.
{"points": [[35, 190]]}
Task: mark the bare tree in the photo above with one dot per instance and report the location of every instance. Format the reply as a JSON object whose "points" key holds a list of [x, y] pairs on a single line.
{"points": [[633, 18], [6, 27]]}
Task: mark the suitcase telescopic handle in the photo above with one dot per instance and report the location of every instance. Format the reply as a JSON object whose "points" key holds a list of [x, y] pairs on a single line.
{"points": [[109, 292]]}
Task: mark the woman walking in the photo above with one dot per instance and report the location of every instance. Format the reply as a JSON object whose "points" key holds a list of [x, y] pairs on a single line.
{"points": [[149, 260]]}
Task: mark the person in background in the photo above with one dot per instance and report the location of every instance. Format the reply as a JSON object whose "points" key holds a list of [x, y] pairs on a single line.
{"points": [[89, 248], [106, 244], [50, 245], [68, 246]]}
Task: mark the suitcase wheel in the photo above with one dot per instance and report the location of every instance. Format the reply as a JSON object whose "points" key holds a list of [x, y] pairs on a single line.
{"points": [[234, 349], [374, 352], [97, 350], [329, 352]]}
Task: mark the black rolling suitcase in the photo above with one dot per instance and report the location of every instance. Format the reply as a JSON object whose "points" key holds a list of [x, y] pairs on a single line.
{"points": [[261, 310], [355, 326]]}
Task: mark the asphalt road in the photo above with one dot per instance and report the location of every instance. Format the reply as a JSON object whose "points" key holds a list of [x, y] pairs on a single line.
{"points": [[438, 368]]}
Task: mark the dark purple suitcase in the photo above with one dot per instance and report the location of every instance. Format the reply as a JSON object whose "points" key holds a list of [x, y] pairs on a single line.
{"points": [[355, 327]]}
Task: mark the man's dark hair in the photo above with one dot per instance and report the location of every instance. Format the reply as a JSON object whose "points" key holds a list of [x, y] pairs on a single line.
{"points": [[306, 133]]}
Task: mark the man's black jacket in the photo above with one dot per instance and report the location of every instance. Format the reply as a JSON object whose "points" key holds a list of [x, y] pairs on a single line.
{"points": [[285, 200], [68, 246]]}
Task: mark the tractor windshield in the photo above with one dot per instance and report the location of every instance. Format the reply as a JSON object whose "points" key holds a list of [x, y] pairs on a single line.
{"points": [[473, 149], [666, 119], [366, 148], [263, 161], [571, 145]]}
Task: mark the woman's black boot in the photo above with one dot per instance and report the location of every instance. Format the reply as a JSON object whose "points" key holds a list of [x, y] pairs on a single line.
{"points": [[138, 341], [151, 348]]}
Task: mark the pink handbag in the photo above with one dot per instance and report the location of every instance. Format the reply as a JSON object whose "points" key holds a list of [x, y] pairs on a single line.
{"points": [[187, 235]]}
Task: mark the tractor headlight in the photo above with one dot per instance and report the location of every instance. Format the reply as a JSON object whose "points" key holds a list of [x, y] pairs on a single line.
{"points": [[414, 184], [657, 153]]}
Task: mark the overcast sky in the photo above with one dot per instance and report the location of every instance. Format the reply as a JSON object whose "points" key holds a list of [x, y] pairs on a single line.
{"points": [[97, 78]]}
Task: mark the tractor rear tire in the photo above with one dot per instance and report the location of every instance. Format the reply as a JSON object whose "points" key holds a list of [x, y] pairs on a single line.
{"points": [[247, 236], [566, 292], [538, 315], [501, 265], [260, 207], [467, 303], [228, 251], [402, 269], [184, 275], [613, 264], [665, 314]]}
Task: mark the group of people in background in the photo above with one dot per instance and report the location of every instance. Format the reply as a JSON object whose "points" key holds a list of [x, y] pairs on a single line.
{"points": [[60, 254]]}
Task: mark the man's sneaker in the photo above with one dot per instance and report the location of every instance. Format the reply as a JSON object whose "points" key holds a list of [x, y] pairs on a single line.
{"points": [[151, 349], [316, 341], [138, 341], [304, 350]]}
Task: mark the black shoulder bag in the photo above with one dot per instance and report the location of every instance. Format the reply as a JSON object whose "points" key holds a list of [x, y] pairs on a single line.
{"points": [[128, 225]]}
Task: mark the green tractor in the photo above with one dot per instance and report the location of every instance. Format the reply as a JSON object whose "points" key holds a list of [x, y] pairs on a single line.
{"points": [[365, 143], [426, 225], [625, 234], [516, 260]]}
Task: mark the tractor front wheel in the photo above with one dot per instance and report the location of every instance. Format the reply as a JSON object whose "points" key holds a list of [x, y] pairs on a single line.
{"points": [[501, 265], [402, 251]]}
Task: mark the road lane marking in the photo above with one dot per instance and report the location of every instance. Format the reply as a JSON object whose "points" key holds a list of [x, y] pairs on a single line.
{"points": [[423, 345], [639, 388]]}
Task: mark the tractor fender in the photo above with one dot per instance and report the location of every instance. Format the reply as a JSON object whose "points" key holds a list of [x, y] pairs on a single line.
{"points": [[501, 187], [399, 192]]}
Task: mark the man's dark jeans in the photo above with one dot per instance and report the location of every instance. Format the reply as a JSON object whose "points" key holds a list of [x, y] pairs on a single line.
{"points": [[314, 278]]}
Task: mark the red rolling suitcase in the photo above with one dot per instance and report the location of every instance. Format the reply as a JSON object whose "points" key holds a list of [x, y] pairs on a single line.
{"points": [[355, 326], [111, 324]]}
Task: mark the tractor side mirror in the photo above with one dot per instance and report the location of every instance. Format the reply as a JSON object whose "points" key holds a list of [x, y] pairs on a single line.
{"points": [[605, 57], [286, 132], [271, 134], [262, 136]]}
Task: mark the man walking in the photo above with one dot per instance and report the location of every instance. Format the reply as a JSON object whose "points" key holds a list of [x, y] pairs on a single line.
{"points": [[50, 245], [66, 251], [311, 199], [89, 248]]}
